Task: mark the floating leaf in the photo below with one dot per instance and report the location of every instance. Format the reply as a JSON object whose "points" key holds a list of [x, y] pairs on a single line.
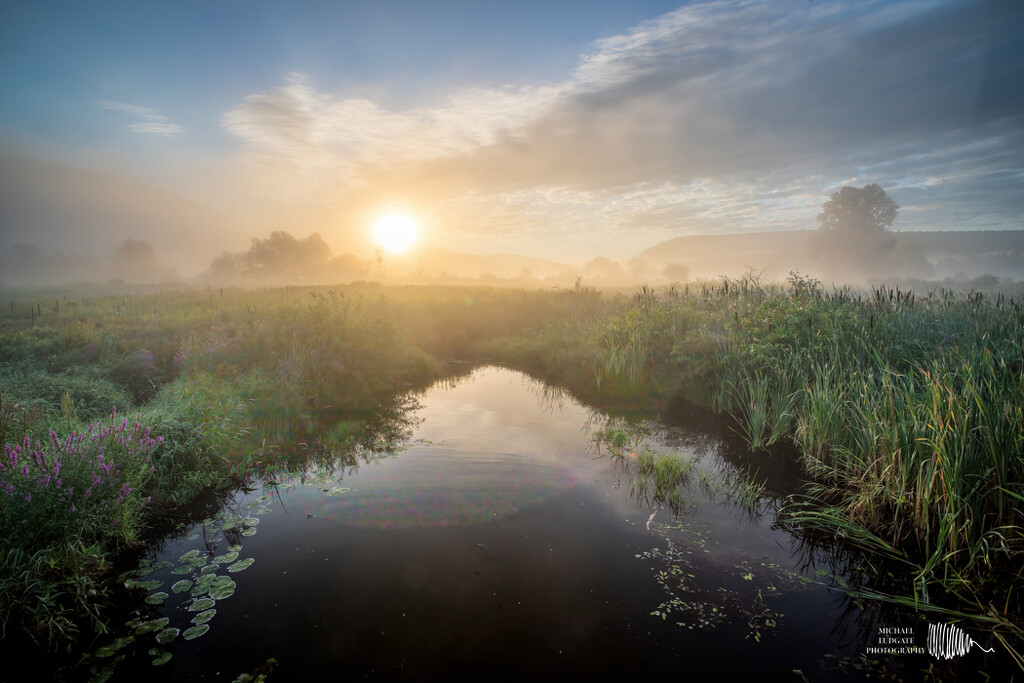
{"points": [[226, 558], [150, 568], [251, 521], [248, 531], [209, 569], [157, 598], [182, 570], [204, 617], [201, 605], [241, 565], [197, 562], [192, 536], [234, 548], [205, 583], [150, 626], [230, 523], [134, 623], [109, 650], [338, 490], [189, 556], [181, 586], [195, 631], [167, 635], [261, 511], [222, 592], [162, 659], [144, 585]]}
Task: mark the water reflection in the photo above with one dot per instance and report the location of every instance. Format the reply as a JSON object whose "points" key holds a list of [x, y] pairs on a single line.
{"points": [[499, 525]]}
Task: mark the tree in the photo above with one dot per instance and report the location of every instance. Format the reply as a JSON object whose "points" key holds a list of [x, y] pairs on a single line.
{"points": [[283, 256], [135, 261], [854, 239], [862, 212]]}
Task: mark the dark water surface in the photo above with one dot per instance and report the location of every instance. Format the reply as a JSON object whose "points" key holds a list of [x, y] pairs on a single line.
{"points": [[501, 542]]}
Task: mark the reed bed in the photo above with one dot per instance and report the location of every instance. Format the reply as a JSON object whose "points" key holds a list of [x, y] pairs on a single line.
{"points": [[907, 408]]}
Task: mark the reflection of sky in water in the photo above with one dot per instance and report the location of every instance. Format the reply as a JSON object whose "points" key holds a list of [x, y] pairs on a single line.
{"points": [[483, 447]]}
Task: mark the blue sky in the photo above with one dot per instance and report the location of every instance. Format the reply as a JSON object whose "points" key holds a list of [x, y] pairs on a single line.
{"points": [[548, 128]]}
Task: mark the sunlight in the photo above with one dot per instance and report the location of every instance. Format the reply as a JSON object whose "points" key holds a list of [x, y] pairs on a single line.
{"points": [[395, 232]]}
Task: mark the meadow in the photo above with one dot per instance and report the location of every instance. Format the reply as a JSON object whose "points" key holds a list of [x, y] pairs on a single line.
{"points": [[906, 410]]}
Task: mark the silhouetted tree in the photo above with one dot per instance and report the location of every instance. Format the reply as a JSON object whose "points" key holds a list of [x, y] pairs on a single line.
{"points": [[135, 261], [281, 255], [854, 238]]}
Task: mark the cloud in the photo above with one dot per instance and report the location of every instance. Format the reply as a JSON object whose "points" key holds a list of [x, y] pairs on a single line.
{"points": [[720, 116], [153, 122]]}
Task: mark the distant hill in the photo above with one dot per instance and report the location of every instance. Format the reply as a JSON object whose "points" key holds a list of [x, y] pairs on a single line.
{"points": [[967, 253]]}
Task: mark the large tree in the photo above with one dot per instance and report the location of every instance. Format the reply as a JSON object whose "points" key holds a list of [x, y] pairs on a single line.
{"points": [[858, 212], [854, 238]]}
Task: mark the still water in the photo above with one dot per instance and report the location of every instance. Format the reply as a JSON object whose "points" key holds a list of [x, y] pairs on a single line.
{"points": [[501, 539]]}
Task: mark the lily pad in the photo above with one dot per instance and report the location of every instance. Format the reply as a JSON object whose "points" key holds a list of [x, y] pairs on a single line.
{"points": [[197, 562], [204, 617], [144, 585], [226, 558], [201, 605], [222, 592], [205, 583], [241, 565], [195, 631], [251, 521], [234, 548], [182, 570], [109, 650], [181, 586], [162, 659], [189, 556], [338, 490], [209, 569], [167, 635], [230, 523], [248, 531], [156, 598], [148, 569], [150, 626]]}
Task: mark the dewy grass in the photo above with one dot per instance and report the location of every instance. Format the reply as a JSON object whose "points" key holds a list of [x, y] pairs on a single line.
{"points": [[907, 408]]}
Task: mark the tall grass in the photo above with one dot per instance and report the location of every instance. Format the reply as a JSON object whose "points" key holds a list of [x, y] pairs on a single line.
{"points": [[906, 407]]}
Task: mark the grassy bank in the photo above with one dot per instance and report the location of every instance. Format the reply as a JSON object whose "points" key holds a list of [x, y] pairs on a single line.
{"points": [[907, 409]]}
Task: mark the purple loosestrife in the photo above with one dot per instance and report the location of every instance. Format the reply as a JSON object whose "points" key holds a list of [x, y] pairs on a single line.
{"points": [[86, 485]]}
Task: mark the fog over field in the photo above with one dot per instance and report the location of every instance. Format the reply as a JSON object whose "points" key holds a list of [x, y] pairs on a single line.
{"points": [[584, 137]]}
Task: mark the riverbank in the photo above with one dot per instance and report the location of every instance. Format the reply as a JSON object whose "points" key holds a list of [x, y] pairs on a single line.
{"points": [[906, 409]]}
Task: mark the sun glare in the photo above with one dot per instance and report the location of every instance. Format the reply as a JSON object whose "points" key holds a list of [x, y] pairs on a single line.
{"points": [[395, 232]]}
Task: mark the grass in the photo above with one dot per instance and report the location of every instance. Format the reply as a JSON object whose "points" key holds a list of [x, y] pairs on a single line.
{"points": [[905, 406]]}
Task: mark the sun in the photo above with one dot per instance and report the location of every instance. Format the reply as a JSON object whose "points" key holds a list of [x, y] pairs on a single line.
{"points": [[395, 232]]}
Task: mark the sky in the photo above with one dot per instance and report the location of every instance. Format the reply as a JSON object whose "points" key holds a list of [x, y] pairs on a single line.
{"points": [[560, 129]]}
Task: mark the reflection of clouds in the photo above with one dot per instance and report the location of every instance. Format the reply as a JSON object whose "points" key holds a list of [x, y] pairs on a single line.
{"points": [[719, 116]]}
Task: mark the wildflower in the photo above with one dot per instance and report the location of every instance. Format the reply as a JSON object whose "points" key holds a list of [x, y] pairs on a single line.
{"points": [[74, 509]]}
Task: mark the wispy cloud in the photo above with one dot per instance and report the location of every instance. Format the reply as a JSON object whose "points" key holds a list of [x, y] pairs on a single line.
{"points": [[729, 115], [153, 122]]}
